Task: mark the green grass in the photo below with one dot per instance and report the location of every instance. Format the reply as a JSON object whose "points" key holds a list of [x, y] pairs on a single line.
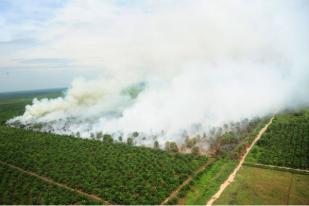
{"points": [[207, 184], [19, 188], [256, 186], [300, 190], [125, 174]]}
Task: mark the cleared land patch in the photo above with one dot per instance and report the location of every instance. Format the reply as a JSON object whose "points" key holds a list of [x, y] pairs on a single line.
{"points": [[242, 159], [265, 186], [207, 183], [299, 190], [186, 184], [277, 167]]}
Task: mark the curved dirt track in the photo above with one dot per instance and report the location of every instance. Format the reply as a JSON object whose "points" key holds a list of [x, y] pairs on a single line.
{"points": [[231, 178]]}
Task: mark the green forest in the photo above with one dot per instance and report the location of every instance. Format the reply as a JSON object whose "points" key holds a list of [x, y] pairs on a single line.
{"points": [[19, 188], [119, 172], [122, 173], [285, 143]]}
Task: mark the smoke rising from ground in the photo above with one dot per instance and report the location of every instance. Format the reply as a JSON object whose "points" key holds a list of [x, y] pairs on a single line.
{"points": [[174, 67]]}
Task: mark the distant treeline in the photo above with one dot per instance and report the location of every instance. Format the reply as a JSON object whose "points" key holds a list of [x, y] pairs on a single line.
{"points": [[31, 93]]}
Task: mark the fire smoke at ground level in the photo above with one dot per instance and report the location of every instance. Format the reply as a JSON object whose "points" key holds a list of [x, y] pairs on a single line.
{"points": [[178, 71]]}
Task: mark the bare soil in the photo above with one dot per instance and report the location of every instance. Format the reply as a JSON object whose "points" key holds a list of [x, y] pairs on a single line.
{"points": [[231, 178]]}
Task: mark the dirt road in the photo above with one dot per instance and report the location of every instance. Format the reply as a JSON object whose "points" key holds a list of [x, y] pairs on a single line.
{"points": [[231, 178], [50, 181], [187, 181]]}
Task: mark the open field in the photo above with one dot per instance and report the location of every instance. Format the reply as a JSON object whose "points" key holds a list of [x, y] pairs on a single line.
{"points": [[264, 186], [232, 176], [269, 177], [207, 183], [285, 143]]}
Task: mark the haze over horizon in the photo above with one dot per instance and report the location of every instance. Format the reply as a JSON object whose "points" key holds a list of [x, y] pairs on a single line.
{"points": [[154, 102], [61, 40], [162, 68]]}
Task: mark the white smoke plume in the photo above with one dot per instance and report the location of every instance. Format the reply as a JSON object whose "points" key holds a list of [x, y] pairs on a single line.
{"points": [[169, 67]]}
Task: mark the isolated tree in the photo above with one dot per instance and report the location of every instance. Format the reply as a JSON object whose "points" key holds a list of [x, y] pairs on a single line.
{"points": [[156, 145], [108, 138], [173, 147], [195, 150], [135, 134], [99, 135], [190, 142], [228, 138], [120, 138], [130, 141], [212, 131], [167, 146]]}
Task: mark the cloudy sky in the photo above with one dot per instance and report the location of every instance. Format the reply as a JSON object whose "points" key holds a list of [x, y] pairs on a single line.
{"points": [[37, 43], [199, 63], [46, 44]]}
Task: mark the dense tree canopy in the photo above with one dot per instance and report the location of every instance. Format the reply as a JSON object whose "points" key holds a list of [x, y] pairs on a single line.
{"points": [[19, 188], [285, 143], [117, 172]]}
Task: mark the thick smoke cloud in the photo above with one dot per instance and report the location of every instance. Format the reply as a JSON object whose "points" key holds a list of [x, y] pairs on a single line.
{"points": [[174, 67]]}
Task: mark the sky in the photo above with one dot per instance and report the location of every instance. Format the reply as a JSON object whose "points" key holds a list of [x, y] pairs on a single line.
{"points": [[197, 64], [47, 44], [28, 59], [19, 25], [44, 44]]}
